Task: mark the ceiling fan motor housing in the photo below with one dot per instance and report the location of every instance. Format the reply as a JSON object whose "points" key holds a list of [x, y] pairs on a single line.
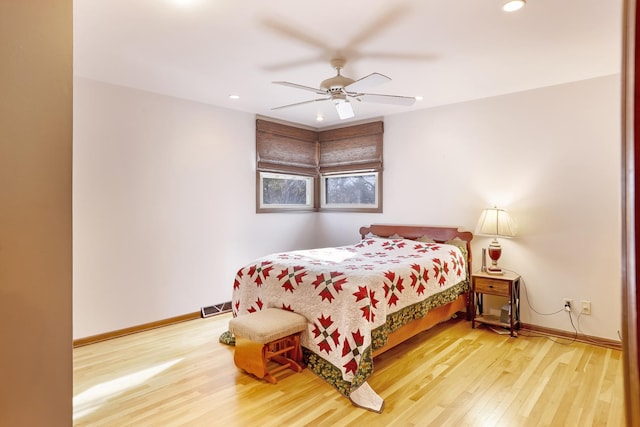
{"points": [[336, 83]]}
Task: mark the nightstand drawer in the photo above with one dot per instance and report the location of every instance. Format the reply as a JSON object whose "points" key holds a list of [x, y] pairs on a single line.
{"points": [[492, 286]]}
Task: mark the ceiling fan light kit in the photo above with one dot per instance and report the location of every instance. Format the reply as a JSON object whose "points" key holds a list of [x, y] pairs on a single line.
{"points": [[344, 109], [341, 90]]}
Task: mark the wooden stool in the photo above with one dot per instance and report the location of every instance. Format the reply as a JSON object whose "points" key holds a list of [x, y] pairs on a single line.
{"points": [[268, 335]]}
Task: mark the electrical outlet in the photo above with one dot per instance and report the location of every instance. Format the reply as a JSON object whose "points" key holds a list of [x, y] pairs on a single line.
{"points": [[567, 303], [586, 307]]}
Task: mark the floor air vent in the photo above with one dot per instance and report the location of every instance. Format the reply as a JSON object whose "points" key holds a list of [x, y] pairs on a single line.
{"points": [[212, 310]]}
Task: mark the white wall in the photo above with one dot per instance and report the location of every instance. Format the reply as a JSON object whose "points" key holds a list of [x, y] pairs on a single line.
{"points": [[163, 207], [550, 156], [164, 198]]}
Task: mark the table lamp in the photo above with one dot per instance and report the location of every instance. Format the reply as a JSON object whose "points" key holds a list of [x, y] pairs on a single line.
{"points": [[497, 223]]}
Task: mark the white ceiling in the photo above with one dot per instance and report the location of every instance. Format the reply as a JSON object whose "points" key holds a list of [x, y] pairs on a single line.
{"points": [[446, 51]]}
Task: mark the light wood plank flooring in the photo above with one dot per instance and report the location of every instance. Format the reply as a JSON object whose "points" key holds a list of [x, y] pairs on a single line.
{"points": [[448, 376]]}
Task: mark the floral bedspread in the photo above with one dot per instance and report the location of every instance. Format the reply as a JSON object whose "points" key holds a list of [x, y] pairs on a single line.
{"points": [[352, 296]]}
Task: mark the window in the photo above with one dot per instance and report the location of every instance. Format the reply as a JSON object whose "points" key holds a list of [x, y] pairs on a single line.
{"points": [[286, 167], [303, 169], [351, 168], [353, 192], [282, 191]]}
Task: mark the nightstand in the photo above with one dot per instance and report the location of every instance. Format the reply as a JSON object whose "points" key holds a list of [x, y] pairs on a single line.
{"points": [[504, 285]]}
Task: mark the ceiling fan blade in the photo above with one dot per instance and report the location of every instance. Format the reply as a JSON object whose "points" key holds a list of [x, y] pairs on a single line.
{"points": [[296, 63], [402, 56], [345, 110], [297, 86], [301, 103], [373, 29], [366, 82], [386, 99], [295, 33]]}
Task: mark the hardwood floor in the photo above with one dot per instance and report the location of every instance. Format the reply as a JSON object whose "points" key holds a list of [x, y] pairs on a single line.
{"points": [[448, 376]]}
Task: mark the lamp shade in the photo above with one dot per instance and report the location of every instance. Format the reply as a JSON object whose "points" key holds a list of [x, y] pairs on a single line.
{"points": [[495, 222]]}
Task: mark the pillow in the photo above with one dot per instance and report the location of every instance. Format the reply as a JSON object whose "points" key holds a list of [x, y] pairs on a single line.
{"points": [[457, 242], [393, 236]]}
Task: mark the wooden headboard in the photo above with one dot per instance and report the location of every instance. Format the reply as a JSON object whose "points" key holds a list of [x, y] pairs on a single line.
{"points": [[438, 234]]}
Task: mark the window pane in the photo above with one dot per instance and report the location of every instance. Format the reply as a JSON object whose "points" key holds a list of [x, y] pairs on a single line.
{"points": [[284, 191], [279, 191], [351, 191]]}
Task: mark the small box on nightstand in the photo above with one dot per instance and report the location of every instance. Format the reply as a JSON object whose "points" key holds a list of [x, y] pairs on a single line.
{"points": [[505, 313]]}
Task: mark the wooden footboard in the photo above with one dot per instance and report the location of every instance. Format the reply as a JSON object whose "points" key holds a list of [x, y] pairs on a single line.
{"points": [[436, 315]]}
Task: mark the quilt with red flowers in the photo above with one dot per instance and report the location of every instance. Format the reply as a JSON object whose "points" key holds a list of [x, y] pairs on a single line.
{"points": [[353, 297]]}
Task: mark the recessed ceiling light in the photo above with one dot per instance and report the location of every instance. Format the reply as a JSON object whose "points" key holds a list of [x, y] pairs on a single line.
{"points": [[513, 5], [319, 118], [419, 98], [234, 96]]}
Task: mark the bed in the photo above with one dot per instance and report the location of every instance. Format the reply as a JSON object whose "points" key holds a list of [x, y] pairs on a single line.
{"points": [[362, 299]]}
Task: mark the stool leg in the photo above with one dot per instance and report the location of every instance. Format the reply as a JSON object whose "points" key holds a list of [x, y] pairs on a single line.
{"points": [[287, 352], [296, 353]]}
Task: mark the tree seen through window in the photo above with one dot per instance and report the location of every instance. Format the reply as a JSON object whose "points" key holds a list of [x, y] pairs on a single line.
{"points": [[283, 191], [353, 189]]}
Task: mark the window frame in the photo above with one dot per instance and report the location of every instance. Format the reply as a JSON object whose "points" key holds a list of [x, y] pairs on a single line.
{"points": [[351, 207], [261, 207]]}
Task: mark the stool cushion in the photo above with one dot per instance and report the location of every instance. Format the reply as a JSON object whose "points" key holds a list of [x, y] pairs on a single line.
{"points": [[267, 325]]}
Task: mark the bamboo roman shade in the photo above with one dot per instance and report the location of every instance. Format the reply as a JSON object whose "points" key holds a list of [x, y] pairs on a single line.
{"points": [[283, 148], [354, 148]]}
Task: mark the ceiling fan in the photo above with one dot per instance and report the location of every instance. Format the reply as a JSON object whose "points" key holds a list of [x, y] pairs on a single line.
{"points": [[341, 90]]}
